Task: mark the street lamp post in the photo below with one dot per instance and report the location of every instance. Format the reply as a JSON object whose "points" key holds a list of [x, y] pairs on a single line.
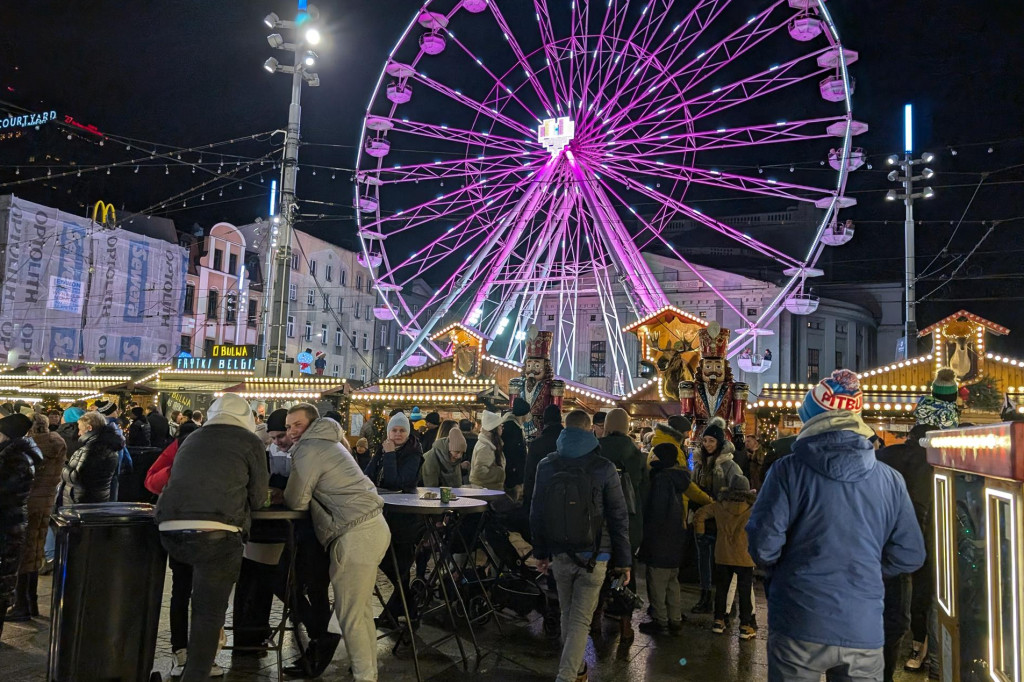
{"points": [[280, 251], [906, 167]]}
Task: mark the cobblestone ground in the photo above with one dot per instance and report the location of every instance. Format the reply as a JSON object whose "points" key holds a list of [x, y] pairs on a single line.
{"points": [[521, 653]]}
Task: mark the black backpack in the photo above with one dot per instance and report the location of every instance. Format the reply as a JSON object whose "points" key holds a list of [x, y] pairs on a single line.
{"points": [[571, 520], [628, 493]]}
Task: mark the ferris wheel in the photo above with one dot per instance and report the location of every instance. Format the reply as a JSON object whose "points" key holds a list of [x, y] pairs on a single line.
{"points": [[520, 156]]}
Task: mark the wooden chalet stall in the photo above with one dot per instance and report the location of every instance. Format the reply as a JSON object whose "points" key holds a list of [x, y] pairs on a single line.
{"points": [[891, 392]]}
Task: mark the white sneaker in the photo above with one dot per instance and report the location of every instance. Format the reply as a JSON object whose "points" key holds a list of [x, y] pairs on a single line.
{"points": [[180, 657], [216, 671]]}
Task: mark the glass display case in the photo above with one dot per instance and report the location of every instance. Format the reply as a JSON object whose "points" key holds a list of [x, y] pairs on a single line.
{"points": [[979, 494]]}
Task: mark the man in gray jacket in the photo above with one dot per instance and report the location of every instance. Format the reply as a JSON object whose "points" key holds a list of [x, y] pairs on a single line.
{"points": [[348, 520], [219, 476]]}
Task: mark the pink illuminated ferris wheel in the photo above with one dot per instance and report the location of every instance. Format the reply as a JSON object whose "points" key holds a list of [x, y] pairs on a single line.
{"points": [[519, 157]]}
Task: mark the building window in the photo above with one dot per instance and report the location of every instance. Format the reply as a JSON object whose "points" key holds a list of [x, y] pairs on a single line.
{"points": [[252, 312], [212, 305], [551, 318], [323, 334], [218, 259], [312, 268], [293, 291], [327, 302], [359, 281], [598, 355], [355, 310], [366, 341], [329, 272], [310, 297], [186, 343], [295, 261], [351, 371], [190, 298], [342, 276], [291, 327], [353, 340], [341, 304], [337, 337], [384, 334], [839, 359], [751, 312], [703, 313], [362, 374], [208, 347], [231, 307], [369, 285], [369, 315], [308, 335], [337, 370], [593, 318], [813, 371], [815, 323], [840, 327], [380, 369], [233, 264]]}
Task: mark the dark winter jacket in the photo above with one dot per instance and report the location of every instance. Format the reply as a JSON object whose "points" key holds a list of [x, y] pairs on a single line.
{"points": [[664, 523], [398, 470], [828, 526], [620, 450], [219, 474], [18, 460], [428, 438], [139, 434], [911, 461], [542, 446], [608, 502], [513, 450], [40, 501], [159, 430], [69, 432], [89, 474]]}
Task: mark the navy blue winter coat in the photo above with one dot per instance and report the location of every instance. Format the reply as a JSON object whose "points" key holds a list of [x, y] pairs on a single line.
{"points": [[608, 500], [829, 524]]}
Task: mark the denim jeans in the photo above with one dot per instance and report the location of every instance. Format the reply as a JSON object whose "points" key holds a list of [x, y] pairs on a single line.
{"points": [[181, 594], [354, 560], [50, 546], [793, 660], [215, 558], [578, 593], [706, 560]]}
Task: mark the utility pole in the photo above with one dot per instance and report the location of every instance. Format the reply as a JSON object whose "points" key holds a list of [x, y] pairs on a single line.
{"points": [[280, 252], [907, 178]]}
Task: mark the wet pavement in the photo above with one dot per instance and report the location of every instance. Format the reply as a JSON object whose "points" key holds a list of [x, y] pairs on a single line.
{"points": [[521, 653]]}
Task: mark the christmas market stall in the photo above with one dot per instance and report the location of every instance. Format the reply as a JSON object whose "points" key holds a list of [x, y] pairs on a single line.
{"points": [[978, 487]]}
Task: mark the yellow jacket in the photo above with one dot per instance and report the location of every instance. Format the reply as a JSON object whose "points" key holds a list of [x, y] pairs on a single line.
{"points": [[666, 434]]}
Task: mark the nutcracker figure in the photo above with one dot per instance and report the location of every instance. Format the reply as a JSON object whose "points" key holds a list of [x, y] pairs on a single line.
{"points": [[537, 386], [713, 393]]}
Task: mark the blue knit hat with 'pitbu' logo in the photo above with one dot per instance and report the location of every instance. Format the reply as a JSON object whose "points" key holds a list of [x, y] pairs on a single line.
{"points": [[841, 391]]}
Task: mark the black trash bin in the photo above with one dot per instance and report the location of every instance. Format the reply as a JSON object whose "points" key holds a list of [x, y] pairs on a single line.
{"points": [[108, 583]]}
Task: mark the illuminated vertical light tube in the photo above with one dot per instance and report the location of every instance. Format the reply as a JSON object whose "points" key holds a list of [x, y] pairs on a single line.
{"points": [[908, 128], [273, 197]]}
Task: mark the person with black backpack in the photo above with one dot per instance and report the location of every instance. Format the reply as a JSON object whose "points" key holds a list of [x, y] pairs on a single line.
{"points": [[580, 528]]}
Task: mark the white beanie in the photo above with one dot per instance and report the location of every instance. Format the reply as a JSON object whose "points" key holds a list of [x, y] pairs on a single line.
{"points": [[399, 420], [231, 410], [489, 420]]}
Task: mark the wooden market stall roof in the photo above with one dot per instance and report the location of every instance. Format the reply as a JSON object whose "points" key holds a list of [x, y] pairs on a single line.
{"points": [[309, 388]]}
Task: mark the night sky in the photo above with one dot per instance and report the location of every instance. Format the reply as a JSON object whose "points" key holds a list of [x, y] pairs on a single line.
{"points": [[181, 74]]}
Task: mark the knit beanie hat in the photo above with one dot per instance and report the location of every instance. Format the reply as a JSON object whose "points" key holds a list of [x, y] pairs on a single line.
{"points": [[15, 426], [433, 418], [489, 420], [138, 412], [231, 409], [520, 408], [333, 414], [552, 414], [739, 483], [680, 423], [415, 415], [276, 420], [616, 421], [399, 421], [716, 429], [105, 407], [363, 443], [841, 391], [944, 385], [73, 414], [667, 454], [599, 418], [456, 441]]}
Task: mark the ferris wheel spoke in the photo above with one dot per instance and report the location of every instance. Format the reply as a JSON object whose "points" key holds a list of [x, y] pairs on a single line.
{"points": [[455, 168], [521, 58], [727, 138], [547, 36], [490, 112], [723, 180], [462, 136], [698, 216]]}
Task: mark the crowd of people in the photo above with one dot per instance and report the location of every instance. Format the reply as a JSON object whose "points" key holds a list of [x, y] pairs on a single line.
{"points": [[832, 532]]}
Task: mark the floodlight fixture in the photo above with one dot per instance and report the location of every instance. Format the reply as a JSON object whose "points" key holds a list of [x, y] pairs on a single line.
{"points": [[312, 36], [275, 40], [271, 65], [893, 175], [927, 193], [891, 195], [927, 157], [927, 173], [272, 20], [892, 160]]}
